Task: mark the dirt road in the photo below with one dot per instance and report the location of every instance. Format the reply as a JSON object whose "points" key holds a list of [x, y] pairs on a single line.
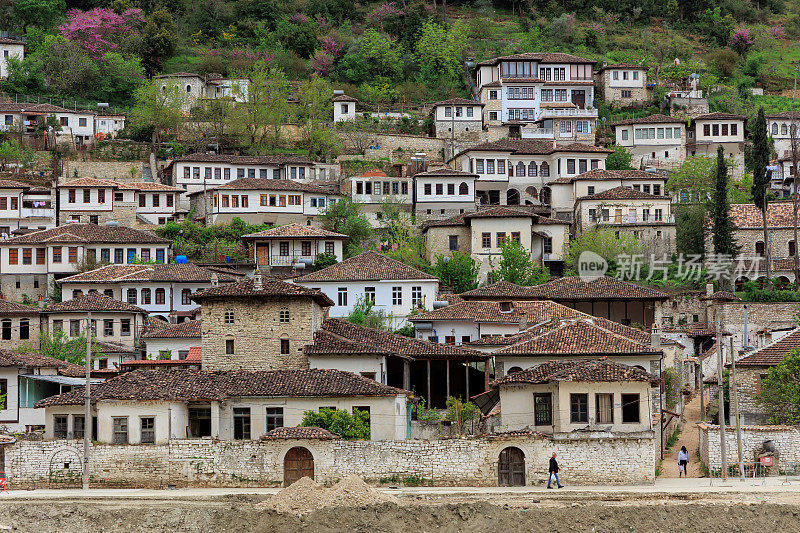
{"points": [[690, 438], [499, 513]]}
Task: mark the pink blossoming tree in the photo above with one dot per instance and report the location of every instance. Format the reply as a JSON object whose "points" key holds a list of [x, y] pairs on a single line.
{"points": [[101, 30]]}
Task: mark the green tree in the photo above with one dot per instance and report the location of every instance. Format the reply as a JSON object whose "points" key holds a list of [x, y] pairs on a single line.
{"points": [[458, 270], [694, 178], [365, 314], [460, 413], [722, 226], [161, 107], [619, 159], [324, 260], [373, 56], [41, 13], [345, 217], [780, 391], [691, 229], [348, 426], [258, 120], [159, 40], [119, 76], [440, 54], [605, 243], [62, 347], [761, 179], [10, 152], [515, 266]]}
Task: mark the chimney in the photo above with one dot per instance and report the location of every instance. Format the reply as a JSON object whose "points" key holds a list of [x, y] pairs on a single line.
{"points": [[258, 283], [655, 337], [214, 280]]}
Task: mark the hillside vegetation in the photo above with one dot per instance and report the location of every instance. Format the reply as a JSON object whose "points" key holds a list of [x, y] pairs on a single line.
{"points": [[397, 53]]}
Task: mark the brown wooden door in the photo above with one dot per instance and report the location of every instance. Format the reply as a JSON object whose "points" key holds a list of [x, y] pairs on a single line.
{"points": [[262, 254], [579, 98], [511, 468], [298, 463]]}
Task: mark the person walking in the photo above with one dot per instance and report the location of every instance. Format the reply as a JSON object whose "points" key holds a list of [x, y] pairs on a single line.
{"points": [[553, 472], [683, 461]]}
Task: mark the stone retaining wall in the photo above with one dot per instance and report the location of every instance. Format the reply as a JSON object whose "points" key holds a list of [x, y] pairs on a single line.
{"points": [[585, 459], [786, 440]]}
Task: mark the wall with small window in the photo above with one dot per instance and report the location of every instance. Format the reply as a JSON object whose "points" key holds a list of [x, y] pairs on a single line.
{"points": [[16, 330], [122, 327], [719, 130]]}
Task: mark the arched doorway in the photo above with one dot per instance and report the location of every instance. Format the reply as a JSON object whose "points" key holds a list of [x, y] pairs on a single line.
{"points": [[514, 370], [512, 197], [511, 468], [297, 463]]}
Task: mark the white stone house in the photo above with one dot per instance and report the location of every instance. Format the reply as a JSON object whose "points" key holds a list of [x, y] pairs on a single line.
{"points": [[709, 131], [11, 48], [26, 378], [164, 338], [539, 96], [344, 108], [457, 118], [393, 287], [293, 246], [108, 125], [163, 290], [562, 397], [518, 171], [779, 127], [657, 141], [127, 203], [77, 127], [646, 217], [155, 406], [374, 188], [623, 84], [443, 192], [23, 207], [30, 263], [259, 201]]}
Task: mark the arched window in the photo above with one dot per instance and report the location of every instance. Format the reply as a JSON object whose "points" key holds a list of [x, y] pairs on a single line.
{"points": [[512, 197], [760, 248], [132, 296], [783, 129], [188, 88], [774, 128], [545, 170], [186, 295], [161, 296], [145, 296], [532, 169], [520, 169], [545, 196], [228, 318], [283, 315], [514, 370], [463, 189], [6, 326]]}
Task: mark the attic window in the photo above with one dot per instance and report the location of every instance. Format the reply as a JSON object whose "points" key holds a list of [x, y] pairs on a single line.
{"points": [[506, 307]]}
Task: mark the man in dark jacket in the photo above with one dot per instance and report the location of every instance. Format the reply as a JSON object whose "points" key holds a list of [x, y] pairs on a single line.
{"points": [[553, 472]]}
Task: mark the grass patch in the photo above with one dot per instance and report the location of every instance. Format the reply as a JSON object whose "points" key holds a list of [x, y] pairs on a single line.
{"points": [[673, 438]]}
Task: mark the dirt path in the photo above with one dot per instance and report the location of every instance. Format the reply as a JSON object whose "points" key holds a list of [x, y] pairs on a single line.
{"points": [[689, 437]]}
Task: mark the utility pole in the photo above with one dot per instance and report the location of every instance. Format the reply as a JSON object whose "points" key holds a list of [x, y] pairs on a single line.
{"points": [[794, 149], [721, 393], [732, 387], [87, 417]]}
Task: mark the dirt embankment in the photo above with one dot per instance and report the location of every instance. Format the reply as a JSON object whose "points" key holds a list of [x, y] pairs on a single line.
{"points": [[241, 514]]}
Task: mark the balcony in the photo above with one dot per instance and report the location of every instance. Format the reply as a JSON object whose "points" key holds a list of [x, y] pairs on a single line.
{"points": [[537, 133], [628, 219], [546, 113], [37, 212], [288, 260]]}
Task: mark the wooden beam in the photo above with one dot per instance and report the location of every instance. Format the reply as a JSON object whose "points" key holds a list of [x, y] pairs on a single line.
{"points": [[447, 368], [466, 371], [429, 385]]}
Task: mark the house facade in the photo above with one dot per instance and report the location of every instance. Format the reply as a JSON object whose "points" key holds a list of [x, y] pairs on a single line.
{"points": [[30, 263], [539, 96], [393, 288], [293, 246], [108, 125], [442, 193], [656, 141], [779, 127], [344, 108], [374, 188], [623, 85], [24, 208], [259, 201], [10, 48], [76, 128], [709, 131], [20, 325], [163, 339], [457, 118]]}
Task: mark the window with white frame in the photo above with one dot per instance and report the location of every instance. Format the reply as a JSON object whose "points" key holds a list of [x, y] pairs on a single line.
{"points": [[397, 295]]}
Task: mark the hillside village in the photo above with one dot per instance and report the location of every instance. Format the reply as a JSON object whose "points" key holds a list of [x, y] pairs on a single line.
{"points": [[566, 255]]}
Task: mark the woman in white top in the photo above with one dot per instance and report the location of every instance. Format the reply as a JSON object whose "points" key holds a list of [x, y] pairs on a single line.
{"points": [[683, 461]]}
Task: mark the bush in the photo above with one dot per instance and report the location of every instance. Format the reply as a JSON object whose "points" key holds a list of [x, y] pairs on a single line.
{"points": [[324, 260], [458, 270], [348, 426]]}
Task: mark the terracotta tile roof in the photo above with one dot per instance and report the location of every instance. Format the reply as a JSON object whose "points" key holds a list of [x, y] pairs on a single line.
{"points": [[772, 354], [267, 184], [93, 301], [106, 347], [722, 296], [195, 354], [603, 288], [270, 288], [622, 66], [296, 231], [367, 266], [574, 336], [592, 370], [720, 116], [170, 272], [374, 173], [748, 216], [12, 308], [657, 118], [456, 220], [306, 433], [532, 147], [785, 114], [501, 290], [243, 159], [7, 439], [603, 175], [445, 173], [39, 109], [493, 212], [10, 184], [343, 98], [9, 40], [11, 358], [93, 182], [190, 385], [75, 232], [475, 311], [354, 339], [155, 363], [458, 101], [152, 186], [540, 57], [159, 329], [623, 193]]}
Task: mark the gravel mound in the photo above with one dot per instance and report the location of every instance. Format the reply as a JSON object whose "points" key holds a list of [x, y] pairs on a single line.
{"points": [[305, 495]]}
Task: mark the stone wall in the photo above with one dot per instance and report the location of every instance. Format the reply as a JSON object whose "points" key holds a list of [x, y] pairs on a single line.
{"points": [[760, 315], [437, 240], [123, 213], [197, 462], [388, 144], [132, 170], [786, 440], [748, 383]]}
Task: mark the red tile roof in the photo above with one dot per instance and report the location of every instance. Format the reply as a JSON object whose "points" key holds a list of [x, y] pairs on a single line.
{"points": [[343, 98], [267, 184], [539, 57], [296, 231], [603, 288], [244, 159], [720, 116], [303, 433], [195, 354], [87, 233], [458, 101], [748, 216], [270, 288], [773, 354], [170, 272], [374, 173], [194, 385], [651, 119], [158, 329], [603, 175], [596, 370], [533, 147], [623, 193], [367, 266], [622, 66], [93, 301], [445, 173], [13, 308]]}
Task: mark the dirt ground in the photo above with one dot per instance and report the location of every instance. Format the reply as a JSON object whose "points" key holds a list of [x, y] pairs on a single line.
{"points": [[498, 513], [689, 437]]}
